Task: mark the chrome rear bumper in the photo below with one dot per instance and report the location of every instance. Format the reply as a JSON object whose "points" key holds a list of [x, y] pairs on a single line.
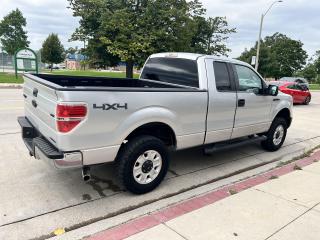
{"points": [[42, 149]]}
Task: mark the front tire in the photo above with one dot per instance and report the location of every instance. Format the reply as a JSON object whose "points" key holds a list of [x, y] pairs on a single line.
{"points": [[142, 164], [307, 100], [276, 135]]}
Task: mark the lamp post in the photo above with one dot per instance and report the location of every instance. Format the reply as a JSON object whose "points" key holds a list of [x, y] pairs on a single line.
{"points": [[260, 32]]}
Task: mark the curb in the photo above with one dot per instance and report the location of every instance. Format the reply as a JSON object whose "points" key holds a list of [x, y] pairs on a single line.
{"points": [[10, 86], [156, 218]]}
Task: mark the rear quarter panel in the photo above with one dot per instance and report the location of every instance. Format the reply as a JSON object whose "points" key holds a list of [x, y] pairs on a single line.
{"points": [[184, 112]]}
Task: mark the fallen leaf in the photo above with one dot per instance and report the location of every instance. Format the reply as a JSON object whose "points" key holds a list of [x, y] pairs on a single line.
{"points": [[59, 231]]}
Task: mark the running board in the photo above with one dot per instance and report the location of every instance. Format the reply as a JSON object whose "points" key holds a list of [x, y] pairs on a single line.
{"points": [[227, 145]]}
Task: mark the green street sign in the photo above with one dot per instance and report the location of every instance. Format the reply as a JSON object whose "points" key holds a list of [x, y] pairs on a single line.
{"points": [[26, 60]]}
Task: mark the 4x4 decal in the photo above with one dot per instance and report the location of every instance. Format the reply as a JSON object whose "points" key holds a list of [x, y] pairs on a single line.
{"points": [[114, 106]]}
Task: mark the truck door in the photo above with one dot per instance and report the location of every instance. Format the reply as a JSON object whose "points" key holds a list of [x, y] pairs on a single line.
{"points": [[253, 108], [222, 101]]}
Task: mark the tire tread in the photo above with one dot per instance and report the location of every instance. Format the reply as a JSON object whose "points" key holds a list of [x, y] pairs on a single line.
{"points": [[124, 158], [268, 143]]}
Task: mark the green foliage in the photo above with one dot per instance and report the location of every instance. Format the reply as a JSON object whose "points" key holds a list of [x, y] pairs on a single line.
{"points": [[317, 61], [71, 50], [10, 78], [312, 70], [133, 29], [12, 35], [210, 36], [99, 56], [315, 86], [266, 61], [309, 72], [52, 50], [91, 73], [280, 56], [288, 53]]}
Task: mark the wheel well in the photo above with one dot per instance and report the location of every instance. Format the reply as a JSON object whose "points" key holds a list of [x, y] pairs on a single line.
{"points": [[285, 114], [160, 130]]}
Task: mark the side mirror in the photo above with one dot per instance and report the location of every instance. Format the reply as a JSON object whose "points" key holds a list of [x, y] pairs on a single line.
{"points": [[273, 90]]}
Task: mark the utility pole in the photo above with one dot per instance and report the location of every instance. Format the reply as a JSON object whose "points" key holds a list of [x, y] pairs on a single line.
{"points": [[260, 33], [2, 58]]}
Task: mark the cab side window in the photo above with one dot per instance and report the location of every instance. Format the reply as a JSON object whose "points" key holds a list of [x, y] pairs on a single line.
{"points": [[293, 86], [222, 77], [301, 87], [248, 79]]}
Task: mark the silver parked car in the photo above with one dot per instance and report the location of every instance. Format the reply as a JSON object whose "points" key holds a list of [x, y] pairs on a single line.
{"points": [[180, 101]]}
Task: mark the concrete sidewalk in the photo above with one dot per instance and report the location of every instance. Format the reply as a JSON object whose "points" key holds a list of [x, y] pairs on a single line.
{"points": [[283, 203]]}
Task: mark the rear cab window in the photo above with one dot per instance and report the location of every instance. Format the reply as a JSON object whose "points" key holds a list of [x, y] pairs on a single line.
{"points": [[222, 77], [172, 70]]}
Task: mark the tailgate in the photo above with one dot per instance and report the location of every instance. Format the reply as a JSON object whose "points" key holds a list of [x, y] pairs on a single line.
{"points": [[40, 106]]}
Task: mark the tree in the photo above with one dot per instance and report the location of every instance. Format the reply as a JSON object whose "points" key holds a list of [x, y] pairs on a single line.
{"points": [[317, 61], [280, 56], [12, 33], [99, 56], [309, 72], [211, 35], [71, 50], [52, 50], [288, 53], [134, 29], [266, 61]]}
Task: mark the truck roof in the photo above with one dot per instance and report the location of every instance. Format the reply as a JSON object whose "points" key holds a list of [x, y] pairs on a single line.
{"points": [[195, 56]]}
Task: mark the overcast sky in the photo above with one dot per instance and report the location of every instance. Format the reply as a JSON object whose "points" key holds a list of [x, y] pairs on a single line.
{"points": [[299, 19]]}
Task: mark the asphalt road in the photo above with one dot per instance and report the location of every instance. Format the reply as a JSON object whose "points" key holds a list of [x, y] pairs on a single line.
{"points": [[36, 199]]}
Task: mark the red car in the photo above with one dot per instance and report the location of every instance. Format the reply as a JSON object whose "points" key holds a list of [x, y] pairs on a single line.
{"points": [[299, 93]]}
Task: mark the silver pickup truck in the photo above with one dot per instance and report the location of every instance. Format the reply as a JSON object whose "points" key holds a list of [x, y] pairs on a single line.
{"points": [[180, 101]]}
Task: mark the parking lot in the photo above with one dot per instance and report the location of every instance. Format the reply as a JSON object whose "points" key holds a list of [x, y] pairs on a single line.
{"points": [[36, 199]]}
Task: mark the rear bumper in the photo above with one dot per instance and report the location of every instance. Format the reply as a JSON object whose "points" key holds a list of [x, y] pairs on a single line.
{"points": [[41, 148]]}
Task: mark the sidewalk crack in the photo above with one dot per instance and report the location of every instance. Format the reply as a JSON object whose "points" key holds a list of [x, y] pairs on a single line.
{"points": [[282, 198], [175, 231], [292, 221]]}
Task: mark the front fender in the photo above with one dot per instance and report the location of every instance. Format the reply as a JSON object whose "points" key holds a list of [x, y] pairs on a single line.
{"points": [[286, 102]]}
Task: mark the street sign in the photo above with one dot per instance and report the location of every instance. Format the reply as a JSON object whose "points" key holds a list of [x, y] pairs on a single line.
{"points": [[253, 60], [26, 60]]}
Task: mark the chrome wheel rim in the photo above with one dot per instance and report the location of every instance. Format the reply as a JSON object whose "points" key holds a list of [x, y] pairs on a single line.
{"points": [[147, 167], [308, 99], [278, 135]]}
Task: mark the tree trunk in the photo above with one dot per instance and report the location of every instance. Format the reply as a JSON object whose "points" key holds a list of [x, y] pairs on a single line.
{"points": [[51, 67], [129, 69]]}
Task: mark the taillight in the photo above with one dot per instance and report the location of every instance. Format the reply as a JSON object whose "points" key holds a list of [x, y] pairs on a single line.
{"points": [[69, 116]]}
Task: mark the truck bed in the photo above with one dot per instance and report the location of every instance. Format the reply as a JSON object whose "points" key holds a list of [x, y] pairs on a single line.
{"points": [[108, 122], [82, 83]]}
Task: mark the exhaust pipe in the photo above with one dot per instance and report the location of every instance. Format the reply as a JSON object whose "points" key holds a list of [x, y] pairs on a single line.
{"points": [[86, 174]]}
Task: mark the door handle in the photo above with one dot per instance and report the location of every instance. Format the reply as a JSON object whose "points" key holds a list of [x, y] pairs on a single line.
{"points": [[241, 102], [35, 92], [34, 103]]}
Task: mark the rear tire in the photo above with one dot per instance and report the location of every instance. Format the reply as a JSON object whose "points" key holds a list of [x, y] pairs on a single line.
{"points": [[276, 135], [142, 164]]}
